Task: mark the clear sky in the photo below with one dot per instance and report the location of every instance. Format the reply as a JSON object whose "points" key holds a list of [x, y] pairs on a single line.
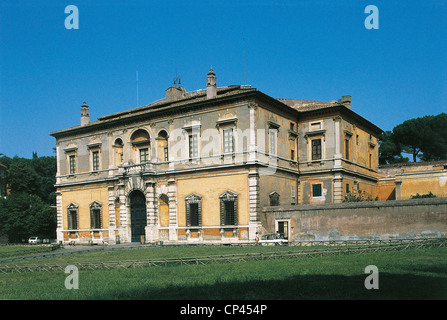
{"points": [[317, 50]]}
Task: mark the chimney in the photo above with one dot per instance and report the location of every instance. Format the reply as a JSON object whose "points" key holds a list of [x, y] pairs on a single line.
{"points": [[85, 114], [346, 101], [175, 93], [211, 88]]}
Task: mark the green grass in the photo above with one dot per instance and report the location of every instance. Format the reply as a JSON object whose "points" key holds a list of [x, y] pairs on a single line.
{"points": [[409, 274], [22, 250]]}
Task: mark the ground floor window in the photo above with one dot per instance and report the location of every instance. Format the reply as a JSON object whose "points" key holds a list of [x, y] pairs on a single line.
{"points": [[95, 215], [72, 216], [228, 208], [193, 204]]}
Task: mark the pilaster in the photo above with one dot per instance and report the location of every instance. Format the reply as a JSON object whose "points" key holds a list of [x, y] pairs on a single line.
{"points": [[254, 222], [172, 195]]}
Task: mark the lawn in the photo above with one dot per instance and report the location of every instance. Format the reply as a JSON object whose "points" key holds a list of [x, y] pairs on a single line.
{"points": [[406, 274]]}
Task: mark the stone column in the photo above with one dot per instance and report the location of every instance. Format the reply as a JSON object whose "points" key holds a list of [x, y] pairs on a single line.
{"points": [[252, 142], [337, 154], [337, 185], [112, 214], [124, 231], [172, 195], [59, 217], [398, 189], [254, 222], [151, 229]]}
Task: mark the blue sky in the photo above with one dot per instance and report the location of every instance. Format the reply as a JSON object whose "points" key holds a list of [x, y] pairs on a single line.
{"points": [[317, 50]]}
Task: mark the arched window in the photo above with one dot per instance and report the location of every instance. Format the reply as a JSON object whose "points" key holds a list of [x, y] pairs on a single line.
{"points": [[228, 208], [162, 140], [96, 215], [119, 154], [141, 146], [193, 204], [72, 216]]}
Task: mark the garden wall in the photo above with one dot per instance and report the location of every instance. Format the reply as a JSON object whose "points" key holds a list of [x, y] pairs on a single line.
{"points": [[407, 219]]}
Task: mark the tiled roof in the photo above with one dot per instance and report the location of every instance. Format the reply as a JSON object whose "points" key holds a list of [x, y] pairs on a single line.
{"points": [[307, 105]]}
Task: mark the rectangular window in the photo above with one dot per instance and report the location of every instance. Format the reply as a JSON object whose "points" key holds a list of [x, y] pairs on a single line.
{"points": [[95, 160], [229, 213], [72, 160], [370, 160], [292, 126], [193, 146], [272, 141], [194, 214], [316, 149], [165, 154], [292, 154], [72, 219], [292, 195], [347, 151], [315, 126], [144, 155], [228, 141], [316, 190], [95, 218]]}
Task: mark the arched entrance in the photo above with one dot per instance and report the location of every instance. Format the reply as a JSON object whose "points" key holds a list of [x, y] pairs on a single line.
{"points": [[138, 219]]}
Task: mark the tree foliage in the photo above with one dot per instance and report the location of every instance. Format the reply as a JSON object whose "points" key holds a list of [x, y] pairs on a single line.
{"points": [[424, 138], [27, 211]]}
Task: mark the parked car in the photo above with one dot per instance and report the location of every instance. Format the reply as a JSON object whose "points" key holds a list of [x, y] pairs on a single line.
{"points": [[272, 240], [34, 240]]}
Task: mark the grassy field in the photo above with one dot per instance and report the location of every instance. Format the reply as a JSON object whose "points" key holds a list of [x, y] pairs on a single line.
{"points": [[409, 274]]}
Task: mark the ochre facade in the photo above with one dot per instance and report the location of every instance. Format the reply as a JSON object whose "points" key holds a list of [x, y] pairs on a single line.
{"points": [[200, 166], [406, 180]]}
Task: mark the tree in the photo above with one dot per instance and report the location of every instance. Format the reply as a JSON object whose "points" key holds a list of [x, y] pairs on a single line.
{"points": [[390, 151], [22, 178], [34, 176], [26, 211], [23, 215], [424, 138], [436, 147]]}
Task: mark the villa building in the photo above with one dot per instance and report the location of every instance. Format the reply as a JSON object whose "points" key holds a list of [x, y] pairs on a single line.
{"points": [[200, 166]]}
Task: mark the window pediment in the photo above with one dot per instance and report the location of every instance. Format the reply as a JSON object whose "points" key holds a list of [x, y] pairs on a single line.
{"points": [[228, 196]]}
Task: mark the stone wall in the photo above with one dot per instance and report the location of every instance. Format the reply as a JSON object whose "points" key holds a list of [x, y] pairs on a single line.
{"points": [[417, 218]]}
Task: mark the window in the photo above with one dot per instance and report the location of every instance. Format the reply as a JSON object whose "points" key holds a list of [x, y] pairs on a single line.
{"points": [[370, 160], [193, 146], [95, 160], [72, 163], [316, 190], [228, 208], [162, 146], [193, 204], [228, 143], [274, 199], [141, 143], [292, 195], [292, 154], [194, 214], [316, 149], [144, 155], [347, 188], [72, 216], [118, 147], [95, 215], [315, 126], [347, 149], [272, 141], [292, 126]]}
